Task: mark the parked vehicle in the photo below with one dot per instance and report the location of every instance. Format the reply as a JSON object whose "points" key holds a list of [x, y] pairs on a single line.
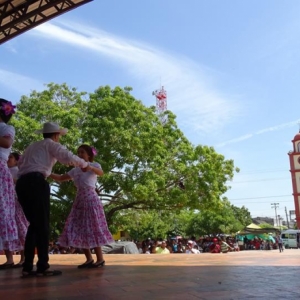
{"points": [[290, 238]]}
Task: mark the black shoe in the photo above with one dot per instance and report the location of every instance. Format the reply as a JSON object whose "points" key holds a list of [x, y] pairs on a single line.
{"points": [[28, 274], [97, 264], [86, 265], [19, 265], [49, 273], [6, 266]]}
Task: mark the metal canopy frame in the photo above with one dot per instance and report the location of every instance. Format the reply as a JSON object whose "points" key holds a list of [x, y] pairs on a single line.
{"points": [[18, 16]]}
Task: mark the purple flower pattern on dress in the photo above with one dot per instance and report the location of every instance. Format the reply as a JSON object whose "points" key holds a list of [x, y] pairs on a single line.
{"points": [[8, 227], [86, 226]]}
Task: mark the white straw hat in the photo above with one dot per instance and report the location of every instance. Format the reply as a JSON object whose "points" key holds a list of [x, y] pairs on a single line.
{"points": [[51, 127]]}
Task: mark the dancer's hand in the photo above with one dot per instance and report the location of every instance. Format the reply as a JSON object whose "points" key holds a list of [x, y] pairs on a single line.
{"points": [[86, 168]]}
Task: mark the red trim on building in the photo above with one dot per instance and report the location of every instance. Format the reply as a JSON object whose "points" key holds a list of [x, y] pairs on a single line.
{"points": [[294, 171]]}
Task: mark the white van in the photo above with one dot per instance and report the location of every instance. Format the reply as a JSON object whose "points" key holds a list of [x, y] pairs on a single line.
{"points": [[290, 238]]}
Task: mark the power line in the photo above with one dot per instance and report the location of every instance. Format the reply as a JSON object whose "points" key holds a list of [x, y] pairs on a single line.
{"points": [[261, 197], [261, 171], [268, 202], [263, 179]]}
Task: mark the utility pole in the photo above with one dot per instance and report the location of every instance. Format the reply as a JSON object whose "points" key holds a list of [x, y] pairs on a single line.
{"points": [[287, 219], [275, 205], [279, 221]]}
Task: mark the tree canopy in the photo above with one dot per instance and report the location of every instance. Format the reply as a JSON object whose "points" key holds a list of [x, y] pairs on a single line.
{"points": [[224, 219], [148, 165]]}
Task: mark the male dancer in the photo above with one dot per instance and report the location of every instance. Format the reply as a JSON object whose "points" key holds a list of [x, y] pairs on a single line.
{"points": [[34, 194]]}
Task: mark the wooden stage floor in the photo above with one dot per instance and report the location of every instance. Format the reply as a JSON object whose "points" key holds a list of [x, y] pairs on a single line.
{"points": [[239, 275]]}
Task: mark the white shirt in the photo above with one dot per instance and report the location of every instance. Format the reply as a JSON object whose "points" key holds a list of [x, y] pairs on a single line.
{"points": [[42, 155], [83, 179], [192, 251], [6, 131], [195, 251]]}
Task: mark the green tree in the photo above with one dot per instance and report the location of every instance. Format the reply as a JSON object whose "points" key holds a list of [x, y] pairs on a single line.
{"points": [[144, 224], [154, 224], [145, 160], [221, 219], [147, 165], [265, 225], [242, 214], [180, 222]]}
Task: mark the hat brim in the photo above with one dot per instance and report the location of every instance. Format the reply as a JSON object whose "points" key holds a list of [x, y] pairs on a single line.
{"points": [[62, 131]]}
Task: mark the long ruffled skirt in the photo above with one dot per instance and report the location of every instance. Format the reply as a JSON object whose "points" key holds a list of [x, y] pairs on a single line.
{"points": [[22, 223], [9, 239], [86, 226]]}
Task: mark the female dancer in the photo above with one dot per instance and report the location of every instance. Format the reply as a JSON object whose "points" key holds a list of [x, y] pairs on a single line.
{"points": [[9, 240], [22, 223], [86, 225]]}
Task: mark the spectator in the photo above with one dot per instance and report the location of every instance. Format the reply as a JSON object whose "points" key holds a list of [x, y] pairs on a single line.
{"points": [[225, 247], [215, 247], [145, 249], [256, 243], [236, 246], [162, 248], [179, 248], [280, 243], [191, 248], [174, 245]]}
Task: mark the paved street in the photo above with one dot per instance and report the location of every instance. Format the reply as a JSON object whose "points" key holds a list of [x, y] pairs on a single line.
{"points": [[239, 275]]}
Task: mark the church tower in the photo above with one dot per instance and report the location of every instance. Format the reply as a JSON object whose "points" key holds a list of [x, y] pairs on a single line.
{"points": [[294, 156]]}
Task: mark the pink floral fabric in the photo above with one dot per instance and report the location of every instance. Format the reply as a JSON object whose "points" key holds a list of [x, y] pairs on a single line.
{"points": [[86, 226], [22, 223], [8, 227]]}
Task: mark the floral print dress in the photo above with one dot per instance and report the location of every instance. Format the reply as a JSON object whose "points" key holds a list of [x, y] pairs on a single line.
{"points": [[86, 226], [22, 223], [9, 239]]}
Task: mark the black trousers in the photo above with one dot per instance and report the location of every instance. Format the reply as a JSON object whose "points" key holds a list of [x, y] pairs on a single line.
{"points": [[34, 196]]}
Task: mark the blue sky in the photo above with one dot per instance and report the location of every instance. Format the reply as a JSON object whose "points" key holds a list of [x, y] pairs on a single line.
{"points": [[230, 68]]}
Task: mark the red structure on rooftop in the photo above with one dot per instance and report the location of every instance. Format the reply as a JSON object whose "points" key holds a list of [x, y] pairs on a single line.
{"points": [[161, 103]]}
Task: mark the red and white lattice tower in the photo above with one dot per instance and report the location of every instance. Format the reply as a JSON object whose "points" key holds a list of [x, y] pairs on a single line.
{"points": [[161, 103]]}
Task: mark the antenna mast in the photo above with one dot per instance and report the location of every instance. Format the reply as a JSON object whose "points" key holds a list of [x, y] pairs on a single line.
{"points": [[161, 104]]}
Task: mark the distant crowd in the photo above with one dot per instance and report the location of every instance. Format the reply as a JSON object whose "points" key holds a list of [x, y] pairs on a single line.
{"points": [[216, 244], [190, 246], [260, 244], [181, 245]]}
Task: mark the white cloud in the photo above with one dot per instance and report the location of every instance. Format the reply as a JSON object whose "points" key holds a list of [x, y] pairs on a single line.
{"points": [[261, 131], [198, 105], [18, 82]]}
